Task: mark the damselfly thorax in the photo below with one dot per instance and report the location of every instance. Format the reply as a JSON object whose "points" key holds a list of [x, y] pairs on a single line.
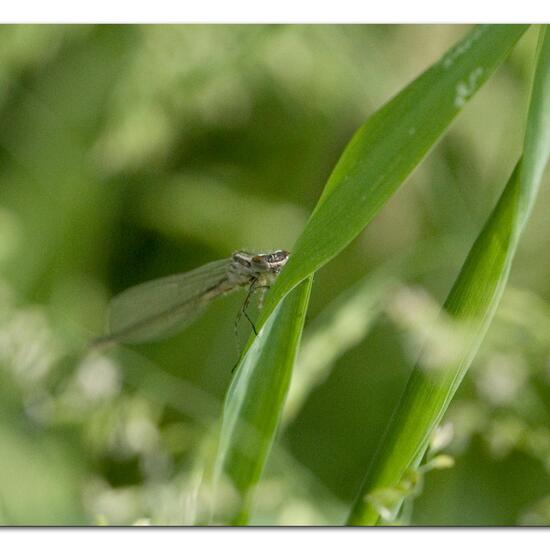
{"points": [[159, 308]]}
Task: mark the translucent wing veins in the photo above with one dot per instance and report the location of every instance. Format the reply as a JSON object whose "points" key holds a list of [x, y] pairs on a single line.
{"points": [[158, 308]]}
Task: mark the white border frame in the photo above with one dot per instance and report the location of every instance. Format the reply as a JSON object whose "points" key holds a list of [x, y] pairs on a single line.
{"points": [[281, 11]]}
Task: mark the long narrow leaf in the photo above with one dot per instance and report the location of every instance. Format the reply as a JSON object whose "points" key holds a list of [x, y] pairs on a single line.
{"points": [[378, 159], [251, 413], [387, 148], [472, 301]]}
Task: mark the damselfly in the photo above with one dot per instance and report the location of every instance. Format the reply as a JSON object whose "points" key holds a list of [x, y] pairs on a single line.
{"points": [[160, 308]]}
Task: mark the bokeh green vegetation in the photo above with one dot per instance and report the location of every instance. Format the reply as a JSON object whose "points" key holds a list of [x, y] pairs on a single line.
{"points": [[132, 152]]}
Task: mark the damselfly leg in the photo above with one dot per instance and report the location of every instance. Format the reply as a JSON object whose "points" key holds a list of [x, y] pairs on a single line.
{"points": [[255, 286]]}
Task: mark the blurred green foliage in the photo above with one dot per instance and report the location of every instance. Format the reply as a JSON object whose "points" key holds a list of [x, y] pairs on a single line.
{"points": [[131, 152]]}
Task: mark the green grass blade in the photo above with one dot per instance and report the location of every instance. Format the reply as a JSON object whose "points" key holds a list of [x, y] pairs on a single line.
{"points": [[378, 159], [472, 301], [253, 406], [387, 148]]}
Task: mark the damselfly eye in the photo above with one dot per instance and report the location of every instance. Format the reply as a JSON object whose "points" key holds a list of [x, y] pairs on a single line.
{"points": [[280, 255]]}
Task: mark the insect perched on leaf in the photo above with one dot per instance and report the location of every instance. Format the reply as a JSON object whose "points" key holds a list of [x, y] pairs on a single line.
{"points": [[160, 308]]}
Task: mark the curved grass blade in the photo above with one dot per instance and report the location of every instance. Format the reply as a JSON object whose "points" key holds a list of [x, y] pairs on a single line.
{"points": [[471, 303], [379, 157], [387, 148], [254, 403]]}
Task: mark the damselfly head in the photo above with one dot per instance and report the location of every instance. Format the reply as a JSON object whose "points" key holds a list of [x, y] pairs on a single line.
{"points": [[274, 261], [271, 262]]}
